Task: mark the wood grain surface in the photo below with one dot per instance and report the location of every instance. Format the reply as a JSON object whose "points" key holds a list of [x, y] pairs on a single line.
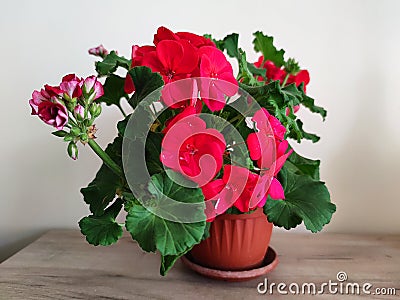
{"points": [[61, 265]]}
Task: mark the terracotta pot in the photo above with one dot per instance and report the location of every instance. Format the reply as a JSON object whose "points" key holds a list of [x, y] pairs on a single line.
{"points": [[236, 242]]}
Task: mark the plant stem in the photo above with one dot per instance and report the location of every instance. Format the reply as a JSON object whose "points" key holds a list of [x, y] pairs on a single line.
{"points": [[285, 80], [235, 118], [105, 158], [122, 111]]}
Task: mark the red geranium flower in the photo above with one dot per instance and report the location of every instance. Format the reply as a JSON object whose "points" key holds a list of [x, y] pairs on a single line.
{"points": [[177, 56], [192, 149], [138, 53], [164, 33], [238, 187], [181, 94], [221, 82], [137, 60], [302, 77], [260, 148], [172, 59], [188, 111], [272, 71], [275, 73], [197, 41]]}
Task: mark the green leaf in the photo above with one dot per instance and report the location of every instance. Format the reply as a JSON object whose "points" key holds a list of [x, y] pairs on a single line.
{"points": [[59, 133], [102, 190], [110, 64], [152, 147], [303, 134], [103, 230], [218, 43], [142, 226], [304, 166], [291, 94], [145, 82], [264, 44], [231, 45], [168, 261], [309, 103], [306, 200], [153, 152], [129, 201], [264, 92], [152, 232], [256, 71], [245, 74], [206, 233], [276, 99], [281, 214], [121, 126], [113, 90]]}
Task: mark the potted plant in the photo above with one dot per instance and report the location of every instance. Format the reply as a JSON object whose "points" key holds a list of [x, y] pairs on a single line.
{"points": [[202, 165]]}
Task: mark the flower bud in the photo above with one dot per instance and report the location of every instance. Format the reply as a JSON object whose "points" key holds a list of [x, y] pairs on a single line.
{"points": [[92, 88], [292, 67], [79, 112], [98, 51], [68, 137], [95, 110], [84, 137], [75, 131], [72, 150]]}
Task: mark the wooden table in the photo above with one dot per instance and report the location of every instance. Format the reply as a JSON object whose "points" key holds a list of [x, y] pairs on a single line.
{"points": [[61, 265]]}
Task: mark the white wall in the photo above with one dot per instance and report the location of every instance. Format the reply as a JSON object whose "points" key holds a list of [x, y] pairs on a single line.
{"points": [[351, 49]]}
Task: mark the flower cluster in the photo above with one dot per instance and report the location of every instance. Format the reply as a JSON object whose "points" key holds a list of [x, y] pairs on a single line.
{"points": [[275, 73], [70, 104], [195, 151], [284, 76], [259, 148], [183, 55]]}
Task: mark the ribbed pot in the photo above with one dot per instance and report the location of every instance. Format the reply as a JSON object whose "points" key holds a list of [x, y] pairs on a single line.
{"points": [[236, 242]]}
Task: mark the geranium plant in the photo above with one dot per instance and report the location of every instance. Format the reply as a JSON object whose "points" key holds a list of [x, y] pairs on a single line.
{"points": [[206, 138]]}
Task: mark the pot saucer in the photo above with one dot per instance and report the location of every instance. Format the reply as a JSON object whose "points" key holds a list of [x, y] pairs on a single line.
{"points": [[269, 263]]}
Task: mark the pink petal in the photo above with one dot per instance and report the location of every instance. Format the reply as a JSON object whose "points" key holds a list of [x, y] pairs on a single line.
{"points": [[129, 86], [188, 111], [150, 59], [212, 189], [254, 146], [276, 190], [219, 197], [281, 161], [164, 33], [242, 204], [189, 59], [170, 54]]}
